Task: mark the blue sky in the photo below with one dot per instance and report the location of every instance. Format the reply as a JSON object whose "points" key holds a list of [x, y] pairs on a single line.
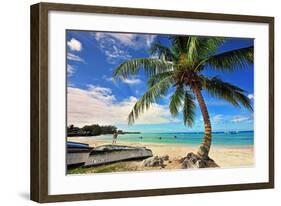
{"points": [[95, 98]]}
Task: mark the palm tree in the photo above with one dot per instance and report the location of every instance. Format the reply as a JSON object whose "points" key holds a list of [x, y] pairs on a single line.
{"points": [[180, 67]]}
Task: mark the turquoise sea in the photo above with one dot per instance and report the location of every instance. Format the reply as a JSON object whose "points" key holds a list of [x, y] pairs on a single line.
{"points": [[219, 138]]}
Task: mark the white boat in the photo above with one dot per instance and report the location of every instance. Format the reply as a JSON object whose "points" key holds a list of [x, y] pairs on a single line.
{"points": [[115, 153], [77, 153]]}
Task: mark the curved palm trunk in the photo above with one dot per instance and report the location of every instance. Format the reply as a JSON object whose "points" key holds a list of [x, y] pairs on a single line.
{"points": [[207, 140]]}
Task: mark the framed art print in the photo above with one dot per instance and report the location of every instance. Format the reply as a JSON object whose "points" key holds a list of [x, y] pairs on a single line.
{"points": [[137, 102]]}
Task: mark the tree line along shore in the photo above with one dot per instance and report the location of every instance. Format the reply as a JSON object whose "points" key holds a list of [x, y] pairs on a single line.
{"points": [[94, 130]]}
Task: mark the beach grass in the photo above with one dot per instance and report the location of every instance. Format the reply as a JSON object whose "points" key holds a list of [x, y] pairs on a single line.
{"points": [[123, 166]]}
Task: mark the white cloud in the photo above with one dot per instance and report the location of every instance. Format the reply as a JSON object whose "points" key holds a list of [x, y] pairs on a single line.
{"points": [[251, 96], [217, 118], [98, 105], [115, 45], [114, 53], [101, 93], [241, 118], [126, 39], [149, 40], [70, 70], [74, 57], [133, 40], [74, 45], [131, 81], [109, 79]]}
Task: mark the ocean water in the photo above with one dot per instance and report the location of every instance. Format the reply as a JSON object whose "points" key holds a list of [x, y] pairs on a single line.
{"points": [[219, 138]]}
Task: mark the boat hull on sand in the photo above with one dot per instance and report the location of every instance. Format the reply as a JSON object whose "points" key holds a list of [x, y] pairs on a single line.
{"points": [[114, 153], [77, 154]]}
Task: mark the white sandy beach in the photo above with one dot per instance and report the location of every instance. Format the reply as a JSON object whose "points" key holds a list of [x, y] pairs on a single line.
{"points": [[224, 156]]}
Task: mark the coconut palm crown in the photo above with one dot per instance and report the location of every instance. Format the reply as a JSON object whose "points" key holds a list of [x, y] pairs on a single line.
{"points": [[180, 67]]}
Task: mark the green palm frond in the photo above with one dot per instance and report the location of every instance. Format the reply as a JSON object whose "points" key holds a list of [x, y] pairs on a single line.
{"points": [[189, 109], [176, 101], [158, 77], [186, 58], [149, 97], [179, 43], [192, 52], [208, 46], [226, 91], [200, 48], [231, 60], [151, 67], [162, 51]]}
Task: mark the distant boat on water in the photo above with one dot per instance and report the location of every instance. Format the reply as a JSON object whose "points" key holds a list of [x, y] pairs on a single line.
{"points": [[232, 132]]}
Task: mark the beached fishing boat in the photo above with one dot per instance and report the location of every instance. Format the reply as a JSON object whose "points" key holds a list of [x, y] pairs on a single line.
{"points": [[77, 153], [115, 153]]}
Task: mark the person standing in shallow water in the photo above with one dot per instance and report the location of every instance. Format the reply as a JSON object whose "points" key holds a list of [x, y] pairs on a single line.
{"points": [[115, 134]]}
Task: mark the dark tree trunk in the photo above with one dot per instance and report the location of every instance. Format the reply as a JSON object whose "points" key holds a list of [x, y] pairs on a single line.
{"points": [[207, 140]]}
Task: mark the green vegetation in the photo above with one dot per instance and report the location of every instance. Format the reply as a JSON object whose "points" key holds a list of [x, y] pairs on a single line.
{"points": [[94, 130], [91, 130], [180, 68]]}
